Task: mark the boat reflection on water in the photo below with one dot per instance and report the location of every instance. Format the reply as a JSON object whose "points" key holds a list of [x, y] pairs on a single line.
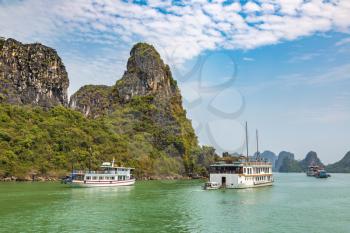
{"points": [[102, 191]]}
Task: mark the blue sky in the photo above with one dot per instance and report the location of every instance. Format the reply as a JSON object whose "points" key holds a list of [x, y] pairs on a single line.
{"points": [[282, 65]]}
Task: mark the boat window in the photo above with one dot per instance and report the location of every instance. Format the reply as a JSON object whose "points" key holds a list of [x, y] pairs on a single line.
{"points": [[100, 177], [226, 169], [94, 178], [112, 178], [88, 177]]}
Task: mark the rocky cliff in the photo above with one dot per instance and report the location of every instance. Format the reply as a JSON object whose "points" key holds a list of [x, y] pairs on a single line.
{"points": [[139, 121], [311, 159], [269, 156], [281, 156], [342, 166], [92, 100], [31, 74], [146, 75], [148, 98]]}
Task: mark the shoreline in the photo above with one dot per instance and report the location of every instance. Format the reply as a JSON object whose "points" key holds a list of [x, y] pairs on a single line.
{"points": [[54, 179]]}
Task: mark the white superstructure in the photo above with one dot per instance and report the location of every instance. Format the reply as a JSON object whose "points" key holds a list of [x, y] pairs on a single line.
{"points": [[242, 174], [109, 175]]}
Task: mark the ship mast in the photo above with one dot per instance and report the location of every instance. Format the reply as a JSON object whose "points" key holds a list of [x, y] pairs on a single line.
{"points": [[90, 157], [246, 139], [257, 146]]}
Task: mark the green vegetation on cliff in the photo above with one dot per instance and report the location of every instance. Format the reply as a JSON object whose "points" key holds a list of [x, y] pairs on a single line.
{"points": [[290, 165], [48, 143], [140, 120], [342, 166]]}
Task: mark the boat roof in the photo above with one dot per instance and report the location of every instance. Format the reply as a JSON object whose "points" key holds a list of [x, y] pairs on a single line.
{"points": [[110, 165], [243, 163]]}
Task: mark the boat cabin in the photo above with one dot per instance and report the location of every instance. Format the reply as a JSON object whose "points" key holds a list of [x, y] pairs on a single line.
{"points": [[241, 174], [108, 172]]}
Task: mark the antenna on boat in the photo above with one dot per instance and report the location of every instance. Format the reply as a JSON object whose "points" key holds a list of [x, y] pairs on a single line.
{"points": [[90, 153], [257, 145], [246, 139]]}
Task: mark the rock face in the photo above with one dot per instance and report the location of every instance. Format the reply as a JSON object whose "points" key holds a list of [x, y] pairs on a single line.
{"points": [[311, 159], [342, 166], [269, 156], [290, 165], [148, 96], [31, 74], [146, 75], [281, 156], [92, 100]]}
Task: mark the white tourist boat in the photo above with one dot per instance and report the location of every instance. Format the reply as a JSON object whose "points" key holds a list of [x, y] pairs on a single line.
{"points": [[312, 170], [244, 173], [108, 176]]}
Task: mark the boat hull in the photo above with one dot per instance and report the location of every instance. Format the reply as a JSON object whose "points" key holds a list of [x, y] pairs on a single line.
{"points": [[78, 183], [245, 186]]}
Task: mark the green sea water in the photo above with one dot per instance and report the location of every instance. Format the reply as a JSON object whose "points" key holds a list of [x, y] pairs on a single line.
{"points": [[296, 203]]}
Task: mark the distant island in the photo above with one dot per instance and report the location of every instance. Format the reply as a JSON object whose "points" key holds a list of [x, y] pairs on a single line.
{"points": [[139, 121], [285, 162]]}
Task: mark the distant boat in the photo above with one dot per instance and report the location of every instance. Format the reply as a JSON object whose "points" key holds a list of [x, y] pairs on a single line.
{"points": [[312, 170], [245, 173], [317, 172], [211, 185], [108, 176], [322, 174]]}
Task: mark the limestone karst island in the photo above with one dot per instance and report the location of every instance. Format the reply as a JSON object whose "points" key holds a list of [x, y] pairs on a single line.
{"points": [[175, 116]]}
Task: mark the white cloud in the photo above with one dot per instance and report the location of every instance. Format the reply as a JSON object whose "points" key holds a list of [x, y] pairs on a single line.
{"points": [[337, 111], [336, 74], [304, 57], [342, 42], [248, 59], [182, 33], [179, 31], [251, 7]]}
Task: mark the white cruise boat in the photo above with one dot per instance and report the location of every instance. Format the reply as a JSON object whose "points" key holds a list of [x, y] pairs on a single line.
{"points": [[242, 174], [245, 173], [107, 176]]}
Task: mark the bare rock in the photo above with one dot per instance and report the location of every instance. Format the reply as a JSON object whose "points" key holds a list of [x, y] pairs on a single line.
{"points": [[31, 74]]}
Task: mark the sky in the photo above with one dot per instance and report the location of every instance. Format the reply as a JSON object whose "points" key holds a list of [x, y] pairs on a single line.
{"points": [[281, 65]]}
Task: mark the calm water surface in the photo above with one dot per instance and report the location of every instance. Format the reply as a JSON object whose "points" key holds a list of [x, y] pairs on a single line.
{"points": [[295, 203]]}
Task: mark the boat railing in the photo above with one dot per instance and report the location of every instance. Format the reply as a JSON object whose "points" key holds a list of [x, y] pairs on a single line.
{"points": [[257, 163], [96, 172], [225, 172]]}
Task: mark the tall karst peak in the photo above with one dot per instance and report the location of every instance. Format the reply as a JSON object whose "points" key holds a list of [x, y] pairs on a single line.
{"points": [[147, 97], [311, 159], [146, 74], [31, 74]]}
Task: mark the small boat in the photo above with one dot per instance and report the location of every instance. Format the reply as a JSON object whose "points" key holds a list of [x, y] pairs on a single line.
{"points": [[211, 185], [322, 174], [312, 170], [108, 176]]}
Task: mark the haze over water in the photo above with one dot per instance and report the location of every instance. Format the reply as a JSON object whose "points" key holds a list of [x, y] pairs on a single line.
{"points": [[296, 203]]}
